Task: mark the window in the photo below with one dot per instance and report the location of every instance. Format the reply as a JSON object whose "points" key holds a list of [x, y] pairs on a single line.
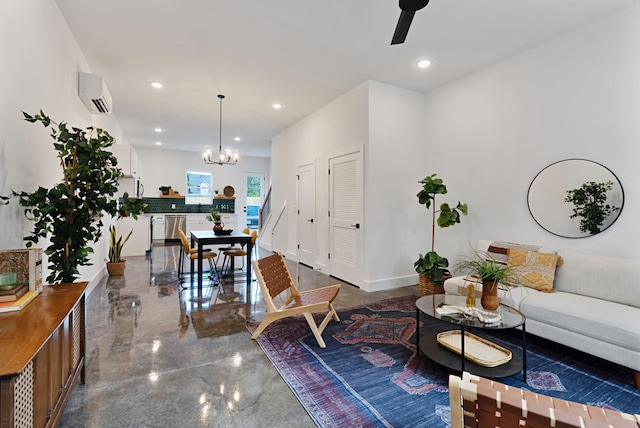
{"points": [[198, 188]]}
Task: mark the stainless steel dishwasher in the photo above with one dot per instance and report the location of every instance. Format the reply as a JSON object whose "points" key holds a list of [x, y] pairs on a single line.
{"points": [[173, 223]]}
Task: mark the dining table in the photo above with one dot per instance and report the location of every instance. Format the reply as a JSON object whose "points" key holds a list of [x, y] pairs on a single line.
{"points": [[202, 238]]}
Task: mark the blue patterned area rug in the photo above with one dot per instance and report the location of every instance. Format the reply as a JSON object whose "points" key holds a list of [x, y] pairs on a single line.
{"points": [[369, 375]]}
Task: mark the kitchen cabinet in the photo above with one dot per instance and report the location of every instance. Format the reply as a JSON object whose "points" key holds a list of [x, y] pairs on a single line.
{"points": [[158, 227], [140, 241], [231, 221], [127, 160], [197, 222]]}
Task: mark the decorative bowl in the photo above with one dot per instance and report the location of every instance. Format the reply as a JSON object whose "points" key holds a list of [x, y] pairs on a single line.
{"points": [[223, 232]]}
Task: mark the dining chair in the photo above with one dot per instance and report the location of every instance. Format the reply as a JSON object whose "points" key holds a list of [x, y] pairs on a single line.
{"points": [[275, 282], [238, 251], [234, 247], [186, 251]]}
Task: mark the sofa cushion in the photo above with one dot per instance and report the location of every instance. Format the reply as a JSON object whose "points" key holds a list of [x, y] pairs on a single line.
{"points": [[499, 251], [608, 278], [600, 319], [533, 269]]}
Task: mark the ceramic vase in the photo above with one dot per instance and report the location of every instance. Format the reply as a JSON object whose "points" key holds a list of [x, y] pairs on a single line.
{"points": [[489, 299], [218, 227]]}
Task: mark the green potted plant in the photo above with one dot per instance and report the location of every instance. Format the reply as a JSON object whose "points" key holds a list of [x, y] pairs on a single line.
{"points": [[70, 213], [215, 217], [431, 267], [131, 206], [490, 272], [115, 263]]}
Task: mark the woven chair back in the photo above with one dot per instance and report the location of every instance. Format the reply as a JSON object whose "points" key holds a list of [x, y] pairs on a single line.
{"points": [[275, 274]]}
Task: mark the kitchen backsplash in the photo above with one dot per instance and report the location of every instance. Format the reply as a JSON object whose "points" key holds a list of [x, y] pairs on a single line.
{"points": [[164, 205]]}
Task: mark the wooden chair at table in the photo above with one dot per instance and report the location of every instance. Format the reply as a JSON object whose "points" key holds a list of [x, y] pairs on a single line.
{"points": [[192, 254], [274, 279]]}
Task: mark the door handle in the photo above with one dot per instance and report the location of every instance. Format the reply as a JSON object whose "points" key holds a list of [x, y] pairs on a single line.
{"points": [[311, 220], [357, 225]]}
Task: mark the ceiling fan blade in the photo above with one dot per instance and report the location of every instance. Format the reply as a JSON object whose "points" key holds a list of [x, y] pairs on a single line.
{"points": [[402, 28]]}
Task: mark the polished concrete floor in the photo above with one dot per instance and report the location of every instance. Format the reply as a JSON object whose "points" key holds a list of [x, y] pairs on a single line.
{"points": [[162, 356]]}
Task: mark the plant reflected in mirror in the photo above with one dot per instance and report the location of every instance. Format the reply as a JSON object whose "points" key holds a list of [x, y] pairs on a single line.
{"points": [[575, 198], [590, 205]]}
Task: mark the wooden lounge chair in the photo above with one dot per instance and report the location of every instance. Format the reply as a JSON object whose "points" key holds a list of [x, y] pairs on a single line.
{"points": [[483, 403], [275, 280]]}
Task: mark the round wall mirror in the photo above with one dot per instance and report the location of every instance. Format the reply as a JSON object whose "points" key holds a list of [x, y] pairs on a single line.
{"points": [[575, 198]]}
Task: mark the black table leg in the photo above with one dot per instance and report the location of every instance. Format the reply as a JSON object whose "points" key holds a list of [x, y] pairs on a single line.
{"points": [[524, 352], [417, 331], [462, 349]]}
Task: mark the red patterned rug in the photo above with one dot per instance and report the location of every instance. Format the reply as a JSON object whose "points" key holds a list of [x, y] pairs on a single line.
{"points": [[369, 375]]}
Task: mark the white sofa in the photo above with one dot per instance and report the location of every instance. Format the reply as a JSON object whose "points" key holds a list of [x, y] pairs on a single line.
{"points": [[595, 307]]}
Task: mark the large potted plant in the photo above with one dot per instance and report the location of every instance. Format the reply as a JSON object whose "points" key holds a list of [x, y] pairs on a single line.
{"points": [[431, 267], [491, 273], [70, 213], [115, 262]]}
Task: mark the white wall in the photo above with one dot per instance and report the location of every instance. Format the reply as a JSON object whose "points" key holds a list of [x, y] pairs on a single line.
{"points": [[40, 62], [342, 123], [162, 167], [489, 134], [394, 165]]}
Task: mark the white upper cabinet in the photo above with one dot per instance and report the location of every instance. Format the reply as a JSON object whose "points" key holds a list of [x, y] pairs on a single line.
{"points": [[127, 160]]}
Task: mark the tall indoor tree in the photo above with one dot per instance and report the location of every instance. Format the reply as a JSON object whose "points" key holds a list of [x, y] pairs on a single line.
{"points": [[70, 213]]}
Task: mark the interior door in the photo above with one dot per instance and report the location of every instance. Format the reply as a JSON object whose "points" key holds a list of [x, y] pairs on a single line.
{"points": [[306, 213], [345, 217], [254, 188]]}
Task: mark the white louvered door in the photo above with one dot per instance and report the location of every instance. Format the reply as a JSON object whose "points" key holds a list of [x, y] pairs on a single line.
{"points": [[345, 217]]}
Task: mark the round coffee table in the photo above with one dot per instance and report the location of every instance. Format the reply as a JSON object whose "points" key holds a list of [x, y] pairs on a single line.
{"points": [[428, 343]]}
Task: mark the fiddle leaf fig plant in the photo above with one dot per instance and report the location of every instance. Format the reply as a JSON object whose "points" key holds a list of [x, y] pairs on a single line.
{"points": [[70, 213], [433, 265]]}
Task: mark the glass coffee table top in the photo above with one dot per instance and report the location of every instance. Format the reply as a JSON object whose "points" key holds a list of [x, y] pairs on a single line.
{"points": [[429, 346], [510, 317]]}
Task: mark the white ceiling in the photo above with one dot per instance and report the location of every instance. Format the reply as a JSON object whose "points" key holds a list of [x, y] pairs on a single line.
{"points": [[300, 53]]}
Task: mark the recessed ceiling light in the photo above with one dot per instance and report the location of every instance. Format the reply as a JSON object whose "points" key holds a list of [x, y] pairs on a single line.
{"points": [[237, 138], [157, 85], [276, 106], [423, 63], [158, 143], [158, 129]]}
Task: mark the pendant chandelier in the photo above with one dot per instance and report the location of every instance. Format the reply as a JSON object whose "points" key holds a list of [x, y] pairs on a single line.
{"points": [[226, 157]]}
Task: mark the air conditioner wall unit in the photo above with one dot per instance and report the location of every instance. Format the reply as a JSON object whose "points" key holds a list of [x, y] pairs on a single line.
{"points": [[94, 93]]}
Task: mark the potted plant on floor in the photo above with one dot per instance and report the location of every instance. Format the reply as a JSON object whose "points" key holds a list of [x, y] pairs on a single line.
{"points": [[431, 267], [70, 213], [491, 273], [115, 263]]}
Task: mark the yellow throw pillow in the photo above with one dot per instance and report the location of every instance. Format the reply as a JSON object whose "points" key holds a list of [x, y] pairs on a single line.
{"points": [[533, 269]]}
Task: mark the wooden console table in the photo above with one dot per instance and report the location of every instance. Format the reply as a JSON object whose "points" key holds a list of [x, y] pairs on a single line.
{"points": [[42, 352]]}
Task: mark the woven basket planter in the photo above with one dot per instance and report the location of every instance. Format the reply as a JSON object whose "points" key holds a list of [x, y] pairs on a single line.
{"points": [[116, 269], [427, 287]]}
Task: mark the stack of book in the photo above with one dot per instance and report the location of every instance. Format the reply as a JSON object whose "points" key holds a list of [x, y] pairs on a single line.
{"points": [[16, 298]]}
